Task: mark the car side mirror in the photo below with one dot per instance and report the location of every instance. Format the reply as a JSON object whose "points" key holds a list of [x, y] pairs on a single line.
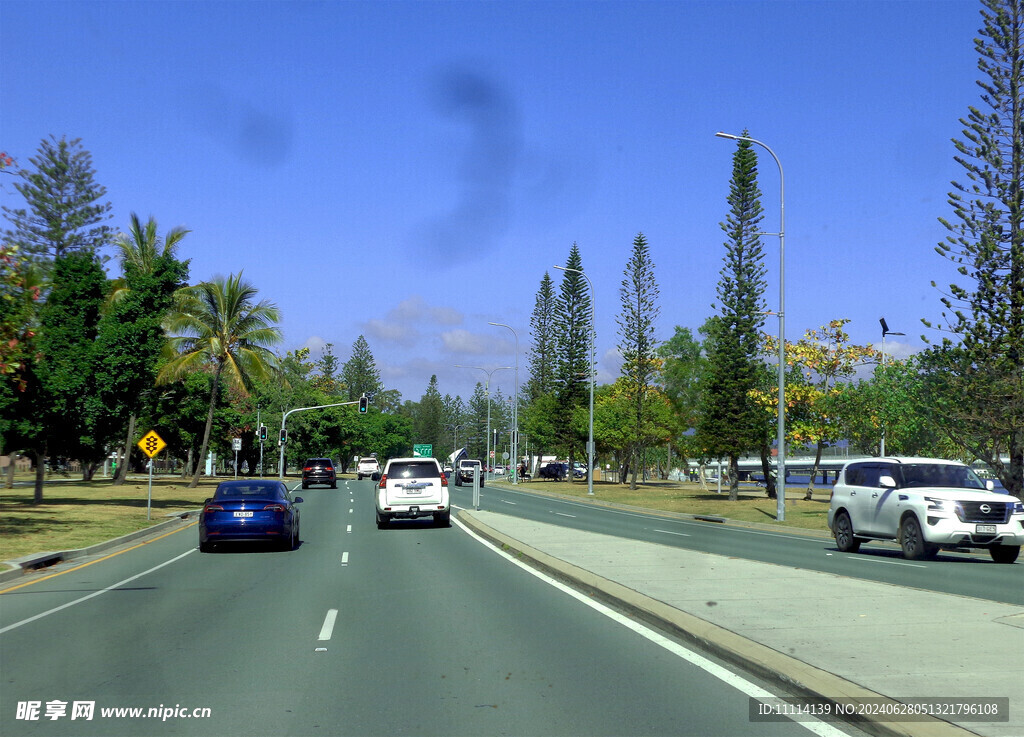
{"points": [[375, 475], [990, 484], [207, 501], [887, 482], [297, 500]]}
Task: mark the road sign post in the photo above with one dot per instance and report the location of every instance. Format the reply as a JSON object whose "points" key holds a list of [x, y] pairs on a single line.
{"points": [[151, 444], [236, 445]]}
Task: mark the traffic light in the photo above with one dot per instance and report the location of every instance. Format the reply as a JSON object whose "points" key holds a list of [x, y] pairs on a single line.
{"points": [[284, 437], [263, 433], [363, 403]]}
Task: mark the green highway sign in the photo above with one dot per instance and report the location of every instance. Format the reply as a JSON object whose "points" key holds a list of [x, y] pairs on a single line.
{"points": [[422, 450]]}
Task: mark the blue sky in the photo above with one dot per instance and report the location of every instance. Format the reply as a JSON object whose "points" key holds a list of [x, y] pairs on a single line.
{"points": [[409, 171]]}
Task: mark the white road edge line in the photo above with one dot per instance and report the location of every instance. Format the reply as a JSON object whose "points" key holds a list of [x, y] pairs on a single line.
{"points": [[328, 629], [890, 562], [94, 594], [741, 684], [563, 514], [669, 532]]}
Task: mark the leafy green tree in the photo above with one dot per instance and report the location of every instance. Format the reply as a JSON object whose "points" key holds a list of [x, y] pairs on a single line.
{"points": [[730, 422], [131, 337], [978, 376], [64, 211], [68, 327], [641, 365], [217, 327]]}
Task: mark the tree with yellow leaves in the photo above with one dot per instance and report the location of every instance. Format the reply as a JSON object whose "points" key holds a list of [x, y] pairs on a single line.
{"points": [[824, 357]]}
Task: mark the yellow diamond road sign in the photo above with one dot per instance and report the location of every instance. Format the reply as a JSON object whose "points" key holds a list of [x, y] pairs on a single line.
{"points": [[152, 444]]}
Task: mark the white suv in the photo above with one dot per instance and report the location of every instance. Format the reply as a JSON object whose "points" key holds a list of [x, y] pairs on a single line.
{"points": [[411, 488], [924, 504], [366, 467]]}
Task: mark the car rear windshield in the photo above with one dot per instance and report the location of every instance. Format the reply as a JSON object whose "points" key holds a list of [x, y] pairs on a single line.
{"points": [[320, 462], [253, 490], [414, 470]]}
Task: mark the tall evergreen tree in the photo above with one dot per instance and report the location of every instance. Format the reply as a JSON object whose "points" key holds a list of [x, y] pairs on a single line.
{"points": [[360, 374], [542, 353], [572, 359], [638, 294], [730, 423], [429, 419], [64, 209], [977, 378]]}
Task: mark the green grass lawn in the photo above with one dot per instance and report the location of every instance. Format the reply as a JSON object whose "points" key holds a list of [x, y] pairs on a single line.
{"points": [[76, 514]]}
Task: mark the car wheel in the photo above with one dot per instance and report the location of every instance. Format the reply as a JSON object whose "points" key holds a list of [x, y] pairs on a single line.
{"points": [[912, 540], [205, 547], [304, 486], [1004, 553], [382, 521], [443, 519], [845, 540], [334, 484]]}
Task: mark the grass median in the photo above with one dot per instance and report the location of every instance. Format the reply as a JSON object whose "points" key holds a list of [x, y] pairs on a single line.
{"points": [[75, 514], [687, 497]]}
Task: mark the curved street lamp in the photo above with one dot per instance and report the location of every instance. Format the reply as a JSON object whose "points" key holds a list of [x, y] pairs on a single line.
{"points": [[487, 390], [780, 481], [590, 438], [515, 408]]}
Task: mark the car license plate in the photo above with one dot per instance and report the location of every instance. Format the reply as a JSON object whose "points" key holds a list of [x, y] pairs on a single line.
{"points": [[243, 514], [985, 529]]}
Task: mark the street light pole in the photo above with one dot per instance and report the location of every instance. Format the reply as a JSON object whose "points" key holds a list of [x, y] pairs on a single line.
{"points": [[487, 390], [885, 331], [590, 438], [515, 408], [780, 482]]}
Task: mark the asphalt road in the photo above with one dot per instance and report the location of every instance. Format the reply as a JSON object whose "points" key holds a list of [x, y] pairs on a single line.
{"points": [[409, 630], [967, 574]]}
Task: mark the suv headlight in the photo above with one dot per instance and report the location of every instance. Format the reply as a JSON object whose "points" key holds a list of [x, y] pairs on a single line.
{"points": [[938, 505], [1018, 508]]}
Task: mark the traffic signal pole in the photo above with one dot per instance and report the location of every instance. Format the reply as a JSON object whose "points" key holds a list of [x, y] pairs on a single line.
{"points": [[362, 402]]}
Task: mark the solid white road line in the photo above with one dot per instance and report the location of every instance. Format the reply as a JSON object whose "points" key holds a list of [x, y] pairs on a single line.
{"points": [[890, 562], [94, 594], [669, 532], [328, 628]]}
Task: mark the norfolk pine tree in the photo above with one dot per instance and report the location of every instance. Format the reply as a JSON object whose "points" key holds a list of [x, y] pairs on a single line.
{"points": [[64, 210], [573, 361], [730, 422], [977, 377], [641, 365]]}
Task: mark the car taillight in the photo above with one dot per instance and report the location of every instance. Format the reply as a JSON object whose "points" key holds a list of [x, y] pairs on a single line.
{"points": [[444, 480], [212, 508], [273, 508], [308, 468], [383, 480]]}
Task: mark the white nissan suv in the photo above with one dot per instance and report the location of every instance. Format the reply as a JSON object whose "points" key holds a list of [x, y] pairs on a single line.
{"points": [[411, 488], [925, 504]]}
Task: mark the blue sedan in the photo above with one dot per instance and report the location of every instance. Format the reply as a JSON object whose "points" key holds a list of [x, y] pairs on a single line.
{"points": [[251, 510]]}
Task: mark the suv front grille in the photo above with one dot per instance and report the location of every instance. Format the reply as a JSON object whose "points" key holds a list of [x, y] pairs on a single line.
{"points": [[983, 512]]}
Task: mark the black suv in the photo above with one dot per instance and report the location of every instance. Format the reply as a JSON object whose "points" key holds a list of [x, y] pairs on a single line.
{"points": [[554, 471], [319, 471]]}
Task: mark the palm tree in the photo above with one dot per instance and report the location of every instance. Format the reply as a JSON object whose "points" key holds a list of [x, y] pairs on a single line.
{"points": [[139, 251], [217, 326]]}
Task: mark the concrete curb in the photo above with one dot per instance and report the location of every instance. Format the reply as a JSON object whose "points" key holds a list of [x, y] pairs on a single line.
{"points": [[36, 561], [794, 675]]}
